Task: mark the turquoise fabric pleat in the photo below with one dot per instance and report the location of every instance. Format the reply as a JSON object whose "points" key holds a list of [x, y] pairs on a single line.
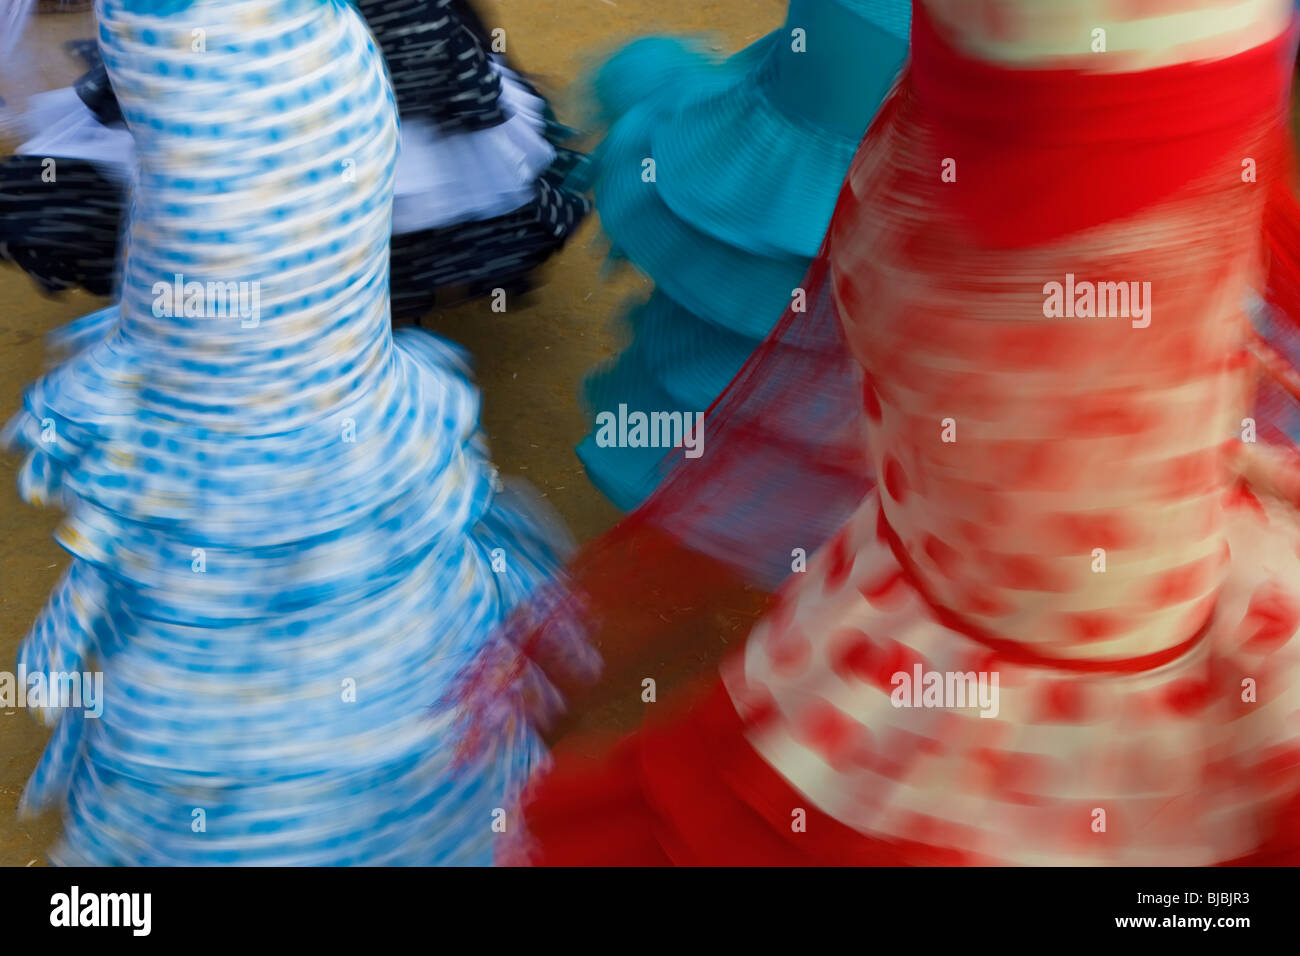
{"points": [[717, 180]]}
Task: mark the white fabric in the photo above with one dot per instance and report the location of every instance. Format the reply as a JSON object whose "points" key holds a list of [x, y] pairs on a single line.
{"points": [[445, 178], [13, 20], [59, 124]]}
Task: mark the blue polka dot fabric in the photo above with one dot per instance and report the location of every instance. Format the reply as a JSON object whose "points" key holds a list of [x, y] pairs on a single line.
{"points": [[289, 545]]}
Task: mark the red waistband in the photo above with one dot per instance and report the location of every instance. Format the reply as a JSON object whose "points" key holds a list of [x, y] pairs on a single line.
{"points": [[1046, 153]]}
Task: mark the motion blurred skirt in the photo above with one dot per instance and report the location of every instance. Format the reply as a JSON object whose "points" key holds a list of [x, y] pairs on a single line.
{"points": [[717, 181], [288, 543], [1144, 712]]}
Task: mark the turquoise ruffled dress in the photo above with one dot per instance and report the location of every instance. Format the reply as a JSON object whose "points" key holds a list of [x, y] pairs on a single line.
{"points": [[748, 158]]}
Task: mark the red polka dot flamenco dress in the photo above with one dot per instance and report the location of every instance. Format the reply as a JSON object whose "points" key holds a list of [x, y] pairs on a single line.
{"points": [[1073, 504]]}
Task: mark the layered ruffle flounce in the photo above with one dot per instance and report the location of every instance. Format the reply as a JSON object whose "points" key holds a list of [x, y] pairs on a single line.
{"points": [[271, 662], [720, 193]]}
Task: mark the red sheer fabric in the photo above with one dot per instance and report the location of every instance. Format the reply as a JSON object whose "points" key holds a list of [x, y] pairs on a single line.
{"points": [[694, 793], [1043, 156]]}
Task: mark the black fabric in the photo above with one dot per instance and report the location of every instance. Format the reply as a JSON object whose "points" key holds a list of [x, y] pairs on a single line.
{"points": [[471, 259], [63, 233], [440, 67], [473, 22], [93, 86], [87, 49], [97, 93]]}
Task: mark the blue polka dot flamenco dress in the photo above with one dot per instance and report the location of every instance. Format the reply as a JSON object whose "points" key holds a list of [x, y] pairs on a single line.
{"points": [[288, 543]]}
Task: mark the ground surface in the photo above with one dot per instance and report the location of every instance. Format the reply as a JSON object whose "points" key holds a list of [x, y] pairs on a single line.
{"points": [[530, 359]]}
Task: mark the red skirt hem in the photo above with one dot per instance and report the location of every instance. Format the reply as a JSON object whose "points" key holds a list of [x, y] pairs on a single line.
{"points": [[693, 792]]}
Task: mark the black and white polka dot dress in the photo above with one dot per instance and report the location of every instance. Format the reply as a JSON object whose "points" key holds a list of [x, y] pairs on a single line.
{"points": [[484, 192]]}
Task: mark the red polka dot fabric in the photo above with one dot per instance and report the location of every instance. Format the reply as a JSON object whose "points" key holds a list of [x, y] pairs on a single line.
{"points": [[1061, 507]]}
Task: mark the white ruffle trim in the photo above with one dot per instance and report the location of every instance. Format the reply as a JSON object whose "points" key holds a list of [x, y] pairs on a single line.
{"points": [[60, 125], [446, 178]]}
